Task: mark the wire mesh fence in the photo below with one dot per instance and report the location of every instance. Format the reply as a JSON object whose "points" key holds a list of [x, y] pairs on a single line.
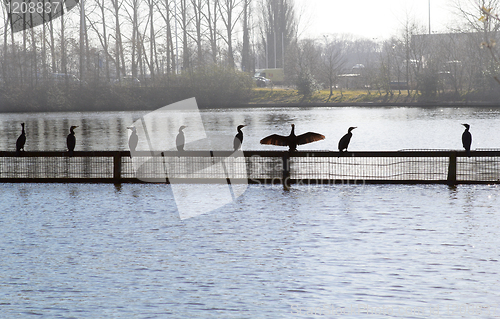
{"points": [[411, 166], [56, 167], [202, 167], [478, 169], [370, 168]]}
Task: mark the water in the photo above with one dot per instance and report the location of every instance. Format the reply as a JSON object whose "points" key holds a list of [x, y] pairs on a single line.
{"points": [[378, 128], [375, 251], [96, 251]]}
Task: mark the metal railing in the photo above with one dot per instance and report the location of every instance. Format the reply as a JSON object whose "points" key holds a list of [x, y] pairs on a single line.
{"points": [[311, 167]]}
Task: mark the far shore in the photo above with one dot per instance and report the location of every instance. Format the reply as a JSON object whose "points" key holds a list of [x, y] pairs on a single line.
{"points": [[293, 105], [372, 104], [287, 97]]}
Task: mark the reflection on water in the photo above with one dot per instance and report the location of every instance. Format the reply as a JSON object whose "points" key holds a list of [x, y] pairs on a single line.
{"points": [[378, 128], [48, 131]]}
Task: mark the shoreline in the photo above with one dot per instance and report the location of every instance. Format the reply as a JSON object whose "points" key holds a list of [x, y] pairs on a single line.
{"points": [[373, 104], [433, 104]]}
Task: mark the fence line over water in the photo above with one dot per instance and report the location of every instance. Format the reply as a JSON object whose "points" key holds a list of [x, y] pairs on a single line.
{"points": [[304, 167]]}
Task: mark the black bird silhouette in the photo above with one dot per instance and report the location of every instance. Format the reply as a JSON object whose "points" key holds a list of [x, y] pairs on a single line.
{"points": [[133, 139], [467, 139], [238, 139], [292, 140], [21, 140], [344, 141], [71, 140], [180, 140]]}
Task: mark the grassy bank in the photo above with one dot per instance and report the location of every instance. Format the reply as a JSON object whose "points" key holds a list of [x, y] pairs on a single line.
{"points": [[110, 98], [290, 96]]}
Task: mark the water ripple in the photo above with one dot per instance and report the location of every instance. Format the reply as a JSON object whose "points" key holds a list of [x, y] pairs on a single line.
{"points": [[66, 252]]}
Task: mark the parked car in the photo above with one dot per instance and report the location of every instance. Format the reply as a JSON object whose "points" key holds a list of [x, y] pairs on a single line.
{"points": [[277, 76], [261, 81]]}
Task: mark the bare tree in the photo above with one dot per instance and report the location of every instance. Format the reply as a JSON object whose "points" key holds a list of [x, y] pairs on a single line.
{"points": [[246, 63], [198, 17], [481, 16], [230, 17], [332, 61], [184, 22], [103, 37], [278, 31], [212, 18], [165, 10], [119, 56], [132, 10], [5, 48]]}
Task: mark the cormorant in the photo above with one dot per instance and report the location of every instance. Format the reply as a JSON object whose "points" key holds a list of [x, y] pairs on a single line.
{"points": [[180, 140], [238, 139], [292, 140], [71, 140], [467, 139], [133, 139], [344, 141], [21, 140]]}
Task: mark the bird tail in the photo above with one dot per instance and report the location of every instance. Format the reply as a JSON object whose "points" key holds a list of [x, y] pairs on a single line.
{"points": [[468, 152]]}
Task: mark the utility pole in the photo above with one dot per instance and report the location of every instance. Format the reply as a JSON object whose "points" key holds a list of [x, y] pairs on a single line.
{"points": [[429, 16]]}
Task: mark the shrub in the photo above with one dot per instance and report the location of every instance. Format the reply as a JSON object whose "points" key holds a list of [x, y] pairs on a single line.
{"points": [[306, 85]]}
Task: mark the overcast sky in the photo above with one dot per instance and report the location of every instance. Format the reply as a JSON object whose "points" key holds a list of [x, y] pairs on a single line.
{"points": [[378, 19]]}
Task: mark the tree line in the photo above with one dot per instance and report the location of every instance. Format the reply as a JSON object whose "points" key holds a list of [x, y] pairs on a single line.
{"points": [[152, 43], [149, 39], [459, 65], [135, 54]]}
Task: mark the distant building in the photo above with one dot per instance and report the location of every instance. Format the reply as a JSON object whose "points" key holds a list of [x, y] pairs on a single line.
{"points": [[459, 61]]}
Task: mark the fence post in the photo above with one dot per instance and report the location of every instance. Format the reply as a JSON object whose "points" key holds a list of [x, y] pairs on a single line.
{"points": [[117, 166], [286, 170], [452, 169]]}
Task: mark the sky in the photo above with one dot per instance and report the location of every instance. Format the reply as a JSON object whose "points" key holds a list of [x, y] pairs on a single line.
{"points": [[375, 19]]}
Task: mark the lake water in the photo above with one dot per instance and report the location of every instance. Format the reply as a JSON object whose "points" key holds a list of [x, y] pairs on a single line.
{"points": [[377, 128], [343, 251]]}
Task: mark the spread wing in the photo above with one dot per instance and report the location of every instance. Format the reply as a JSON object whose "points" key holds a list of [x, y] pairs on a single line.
{"points": [[309, 137], [275, 139]]}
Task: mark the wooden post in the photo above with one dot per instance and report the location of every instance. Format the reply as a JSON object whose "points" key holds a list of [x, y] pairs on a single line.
{"points": [[452, 169], [117, 166], [286, 171]]}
